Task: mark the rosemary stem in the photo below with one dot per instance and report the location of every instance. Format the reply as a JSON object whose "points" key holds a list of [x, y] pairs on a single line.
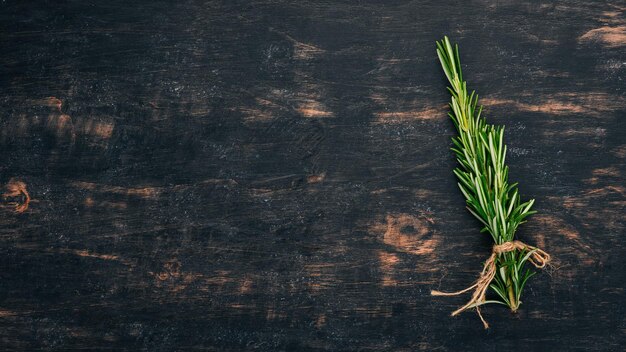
{"points": [[509, 283]]}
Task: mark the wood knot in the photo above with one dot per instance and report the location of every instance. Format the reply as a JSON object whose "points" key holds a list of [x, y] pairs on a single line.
{"points": [[17, 195]]}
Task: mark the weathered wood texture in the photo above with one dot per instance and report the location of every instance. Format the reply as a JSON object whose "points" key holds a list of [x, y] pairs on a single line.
{"points": [[272, 175]]}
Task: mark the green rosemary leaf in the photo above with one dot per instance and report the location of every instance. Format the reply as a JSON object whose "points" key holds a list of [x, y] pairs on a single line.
{"points": [[525, 258], [485, 302], [500, 293]]}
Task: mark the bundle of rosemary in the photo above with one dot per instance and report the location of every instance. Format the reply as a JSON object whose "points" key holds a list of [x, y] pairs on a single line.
{"points": [[483, 179]]}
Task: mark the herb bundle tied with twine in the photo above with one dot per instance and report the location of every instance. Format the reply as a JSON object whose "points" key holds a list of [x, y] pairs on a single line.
{"points": [[483, 180]]}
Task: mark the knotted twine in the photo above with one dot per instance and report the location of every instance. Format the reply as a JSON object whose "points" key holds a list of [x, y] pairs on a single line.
{"points": [[538, 258]]}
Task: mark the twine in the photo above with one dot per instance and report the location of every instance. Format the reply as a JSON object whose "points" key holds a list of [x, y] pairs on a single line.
{"points": [[538, 258]]}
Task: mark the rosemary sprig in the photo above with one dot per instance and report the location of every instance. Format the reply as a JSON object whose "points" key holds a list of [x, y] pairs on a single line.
{"points": [[483, 179]]}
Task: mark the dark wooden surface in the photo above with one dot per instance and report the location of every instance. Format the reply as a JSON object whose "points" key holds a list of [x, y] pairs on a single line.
{"points": [[276, 176]]}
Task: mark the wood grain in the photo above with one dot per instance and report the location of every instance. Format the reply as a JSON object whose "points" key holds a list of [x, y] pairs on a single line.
{"points": [[276, 176]]}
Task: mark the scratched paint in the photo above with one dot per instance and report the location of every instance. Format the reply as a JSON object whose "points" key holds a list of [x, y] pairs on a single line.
{"points": [[276, 176]]}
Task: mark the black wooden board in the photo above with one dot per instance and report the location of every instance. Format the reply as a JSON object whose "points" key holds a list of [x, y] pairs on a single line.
{"points": [[276, 176]]}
